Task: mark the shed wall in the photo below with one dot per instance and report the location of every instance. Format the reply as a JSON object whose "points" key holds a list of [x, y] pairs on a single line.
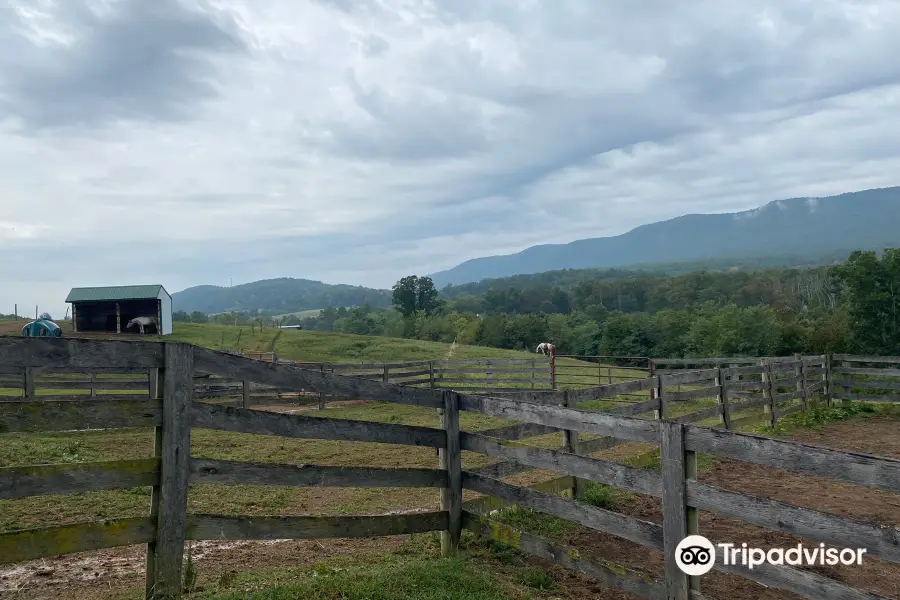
{"points": [[166, 309]]}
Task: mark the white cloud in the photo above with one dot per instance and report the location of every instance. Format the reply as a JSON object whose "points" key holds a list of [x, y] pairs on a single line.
{"points": [[189, 141]]}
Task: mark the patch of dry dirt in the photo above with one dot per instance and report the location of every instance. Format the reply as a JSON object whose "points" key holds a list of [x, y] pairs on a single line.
{"points": [[110, 573]]}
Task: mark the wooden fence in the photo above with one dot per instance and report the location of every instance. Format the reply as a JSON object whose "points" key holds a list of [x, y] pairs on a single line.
{"points": [[170, 408], [497, 376], [865, 378]]}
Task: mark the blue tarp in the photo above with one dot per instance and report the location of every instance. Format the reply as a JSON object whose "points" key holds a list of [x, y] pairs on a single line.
{"points": [[42, 328]]}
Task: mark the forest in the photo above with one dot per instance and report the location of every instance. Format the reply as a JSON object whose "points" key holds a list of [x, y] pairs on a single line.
{"points": [[850, 307]]}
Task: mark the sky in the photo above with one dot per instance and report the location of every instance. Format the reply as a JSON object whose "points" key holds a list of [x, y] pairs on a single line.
{"points": [[188, 142]]}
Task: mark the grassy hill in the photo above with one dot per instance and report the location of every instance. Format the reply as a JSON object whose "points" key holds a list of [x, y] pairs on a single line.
{"points": [[322, 346], [312, 346]]}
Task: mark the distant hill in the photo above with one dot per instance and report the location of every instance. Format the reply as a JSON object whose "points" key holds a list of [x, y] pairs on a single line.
{"points": [[281, 295], [810, 230]]}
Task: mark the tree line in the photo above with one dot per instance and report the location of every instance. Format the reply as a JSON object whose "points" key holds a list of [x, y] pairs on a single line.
{"points": [[851, 307]]}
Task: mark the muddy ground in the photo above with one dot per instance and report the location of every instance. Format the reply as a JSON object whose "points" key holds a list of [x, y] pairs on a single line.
{"points": [[110, 573]]}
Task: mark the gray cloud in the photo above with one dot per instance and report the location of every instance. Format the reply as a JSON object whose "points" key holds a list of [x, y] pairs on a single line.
{"points": [[130, 60], [358, 142]]}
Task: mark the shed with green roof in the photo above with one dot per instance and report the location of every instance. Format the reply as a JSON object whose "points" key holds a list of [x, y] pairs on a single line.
{"points": [[110, 309]]}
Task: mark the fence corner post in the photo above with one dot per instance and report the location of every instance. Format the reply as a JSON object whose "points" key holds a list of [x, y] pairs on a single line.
{"points": [[450, 459], [722, 382], [169, 499], [679, 520]]}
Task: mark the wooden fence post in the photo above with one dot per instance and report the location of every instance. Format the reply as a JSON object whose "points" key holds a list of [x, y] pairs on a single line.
{"points": [[828, 379], [490, 375], [386, 374], [661, 410], [571, 446], [28, 383], [722, 382], [804, 393], [769, 393], [451, 461], [533, 369], [679, 520], [245, 394], [322, 394], [153, 382], [553, 371], [169, 499], [431, 374]]}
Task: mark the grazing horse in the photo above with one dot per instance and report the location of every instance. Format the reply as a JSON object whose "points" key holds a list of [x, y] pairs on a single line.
{"points": [[143, 322], [546, 349]]}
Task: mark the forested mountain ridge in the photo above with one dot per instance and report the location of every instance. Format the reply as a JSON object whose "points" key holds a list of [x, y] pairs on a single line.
{"points": [[281, 295], [801, 227]]}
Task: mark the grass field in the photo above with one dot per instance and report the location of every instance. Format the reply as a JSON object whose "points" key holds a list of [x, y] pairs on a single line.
{"points": [[310, 346]]}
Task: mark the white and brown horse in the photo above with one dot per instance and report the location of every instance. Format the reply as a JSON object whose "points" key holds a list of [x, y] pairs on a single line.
{"points": [[546, 349]]}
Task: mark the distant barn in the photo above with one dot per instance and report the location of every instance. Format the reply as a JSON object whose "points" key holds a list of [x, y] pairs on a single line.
{"points": [[109, 309]]}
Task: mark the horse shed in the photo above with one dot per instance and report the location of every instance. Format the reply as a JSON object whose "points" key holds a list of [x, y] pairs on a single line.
{"points": [[109, 309]]}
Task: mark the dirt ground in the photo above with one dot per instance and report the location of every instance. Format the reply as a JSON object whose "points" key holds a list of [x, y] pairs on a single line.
{"points": [[110, 573], [874, 435]]}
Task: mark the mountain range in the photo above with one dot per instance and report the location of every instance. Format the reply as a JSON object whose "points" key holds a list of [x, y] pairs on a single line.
{"points": [[801, 227], [797, 231], [274, 296]]}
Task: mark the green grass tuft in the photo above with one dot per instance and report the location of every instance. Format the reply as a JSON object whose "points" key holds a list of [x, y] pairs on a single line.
{"points": [[603, 496], [537, 523], [392, 579], [820, 414], [537, 578]]}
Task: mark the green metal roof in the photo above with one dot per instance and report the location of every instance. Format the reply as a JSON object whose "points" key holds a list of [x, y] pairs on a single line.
{"points": [[118, 292]]}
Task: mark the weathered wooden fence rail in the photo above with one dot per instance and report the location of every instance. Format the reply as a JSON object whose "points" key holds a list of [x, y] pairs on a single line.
{"points": [[169, 407]]}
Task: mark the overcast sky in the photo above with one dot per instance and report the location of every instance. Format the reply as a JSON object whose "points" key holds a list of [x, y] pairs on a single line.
{"points": [[187, 142]]}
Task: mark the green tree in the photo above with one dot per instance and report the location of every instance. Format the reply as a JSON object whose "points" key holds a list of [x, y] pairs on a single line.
{"points": [[427, 298], [416, 294], [405, 295], [872, 292]]}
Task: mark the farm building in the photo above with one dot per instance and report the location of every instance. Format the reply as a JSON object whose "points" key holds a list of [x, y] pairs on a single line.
{"points": [[109, 309]]}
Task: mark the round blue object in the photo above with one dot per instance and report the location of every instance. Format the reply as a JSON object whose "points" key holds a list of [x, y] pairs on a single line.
{"points": [[42, 328]]}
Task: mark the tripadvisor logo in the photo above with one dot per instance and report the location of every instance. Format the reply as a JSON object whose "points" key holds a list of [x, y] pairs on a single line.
{"points": [[695, 555]]}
